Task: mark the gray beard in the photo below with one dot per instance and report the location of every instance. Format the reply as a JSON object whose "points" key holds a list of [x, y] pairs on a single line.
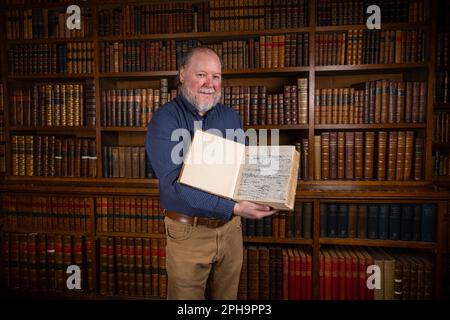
{"points": [[200, 107]]}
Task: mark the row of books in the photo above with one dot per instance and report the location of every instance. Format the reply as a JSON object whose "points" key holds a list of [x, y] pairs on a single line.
{"points": [[53, 156], [284, 273], [38, 261], [276, 273], [406, 222], [344, 273], [441, 121], [302, 146], [442, 87], [46, 213], [338, 12], [132, 267], [153, 18], [19, 2], [351, 155], [282, 225], [381, 101], [133, 107], [53, 105], [370, 47], [44, 23], [72, 58], [442, 50], [257, 15], [271, 51], [2, 131], [256, 107], [129, 214], [2, 115], [440, 163], [126, 161]]}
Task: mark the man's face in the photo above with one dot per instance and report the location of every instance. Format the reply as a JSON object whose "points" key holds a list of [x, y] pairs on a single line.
{"points": [[201, 81]]}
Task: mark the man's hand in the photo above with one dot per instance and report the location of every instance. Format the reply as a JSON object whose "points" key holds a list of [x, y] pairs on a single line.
{"points": [[251, 210]]}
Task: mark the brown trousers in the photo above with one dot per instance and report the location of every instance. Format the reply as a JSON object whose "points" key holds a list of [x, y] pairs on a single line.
{"points": [[200, 258]]}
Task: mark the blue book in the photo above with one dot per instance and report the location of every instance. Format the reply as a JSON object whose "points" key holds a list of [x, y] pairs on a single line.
{"points": [[372, 221], [417, 217], [342, 220], [268, 226], [406, 222], [394, 222], [383, 222], [428, 222], [323, 219], [307, 220], [332, 220]]}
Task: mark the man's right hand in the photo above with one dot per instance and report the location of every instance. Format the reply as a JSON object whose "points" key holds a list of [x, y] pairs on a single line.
{"points": [[251, 210]]}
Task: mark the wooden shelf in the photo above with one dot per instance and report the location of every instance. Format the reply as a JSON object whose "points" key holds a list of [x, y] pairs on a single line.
{"points": [[82, 181], [277, 241], [49, 5], [371, 126], [363, 183], [204, 35], [378, 243], [50, 40], [279, 126], [51, 76], [386, 26], [367, 68], [143, 74], [130, 234], [55, 128], [441, 180], [437, 145], [124, 129], [442, 107], [56, 232], [241, 72], [267, 71]]}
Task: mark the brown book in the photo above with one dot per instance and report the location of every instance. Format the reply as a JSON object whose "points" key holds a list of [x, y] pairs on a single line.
{"points": [[381, 163], [264, 273], [418, 158], [362, 221], [325, 155], [359, 155], [341, 156], [369, 155], [401, 149], [392, 155], [408, 155], [333, 155], [349, 155]]}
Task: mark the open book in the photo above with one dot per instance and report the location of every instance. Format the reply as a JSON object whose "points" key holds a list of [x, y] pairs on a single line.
{"points": [[261, 174]]}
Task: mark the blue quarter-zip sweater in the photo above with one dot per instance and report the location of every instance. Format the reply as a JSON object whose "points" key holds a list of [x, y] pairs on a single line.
{"points": [[177, 114]]}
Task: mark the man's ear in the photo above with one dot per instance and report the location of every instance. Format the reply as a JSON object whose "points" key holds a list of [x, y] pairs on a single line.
{"points": [[181, 74]]}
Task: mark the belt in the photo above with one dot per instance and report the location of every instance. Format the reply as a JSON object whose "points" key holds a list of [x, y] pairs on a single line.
{"points": [[194, 221]]}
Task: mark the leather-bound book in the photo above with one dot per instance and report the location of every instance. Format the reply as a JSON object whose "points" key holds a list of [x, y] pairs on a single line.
{"points": [[369, 155]]}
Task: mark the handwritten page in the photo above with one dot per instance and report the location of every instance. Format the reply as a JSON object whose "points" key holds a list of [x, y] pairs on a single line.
{"points": [[266, 174]]}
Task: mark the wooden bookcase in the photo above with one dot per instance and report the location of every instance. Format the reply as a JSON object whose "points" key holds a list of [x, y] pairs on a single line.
{"points": [[421, 191]]}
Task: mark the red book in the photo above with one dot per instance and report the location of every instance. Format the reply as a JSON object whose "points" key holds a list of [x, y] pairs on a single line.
{"points": [[298, 263], [292, 275], [285, 275], [308, 276], [334, 275], [328, 275], [321, 276], [303, 275]]}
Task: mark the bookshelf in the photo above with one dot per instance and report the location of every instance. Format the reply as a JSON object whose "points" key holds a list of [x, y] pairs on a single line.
{"points": [[335, 82]]}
